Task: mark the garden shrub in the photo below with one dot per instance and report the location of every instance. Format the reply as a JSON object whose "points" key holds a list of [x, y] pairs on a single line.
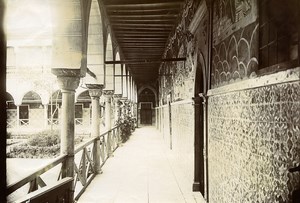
{"points": [[44, 138], [126, 123], [45, 144]]}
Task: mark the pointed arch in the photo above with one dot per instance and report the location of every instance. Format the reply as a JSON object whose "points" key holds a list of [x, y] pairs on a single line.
{"points": [[109, 68], [118, 76], [124, 77], [150, 88], [95, 50]]}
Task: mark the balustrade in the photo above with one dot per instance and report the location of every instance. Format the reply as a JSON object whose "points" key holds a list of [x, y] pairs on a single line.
{"points": [[85, 169]]}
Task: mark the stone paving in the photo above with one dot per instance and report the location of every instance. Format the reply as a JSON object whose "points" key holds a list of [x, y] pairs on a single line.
{"points": [[140, 171]]}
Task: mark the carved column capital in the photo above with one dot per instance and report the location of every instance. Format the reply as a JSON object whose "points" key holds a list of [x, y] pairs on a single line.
{"points": [[67, 83], [95, 90], [117, 97], [108, 93]]}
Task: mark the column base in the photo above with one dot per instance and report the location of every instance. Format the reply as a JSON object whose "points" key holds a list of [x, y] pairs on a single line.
{"points": [[196, 187]]}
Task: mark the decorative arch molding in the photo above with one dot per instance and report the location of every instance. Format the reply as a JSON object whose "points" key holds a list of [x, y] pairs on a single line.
{"points": [[140, 90], [33, 92], [79, 91]]}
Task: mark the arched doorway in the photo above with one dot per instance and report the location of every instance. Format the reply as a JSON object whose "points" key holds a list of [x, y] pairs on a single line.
{"points": [[31, 111], [146, 100], [199, 102]]}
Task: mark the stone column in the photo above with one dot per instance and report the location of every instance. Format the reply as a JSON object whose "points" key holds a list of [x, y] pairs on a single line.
{"points": [[108, 95], [95, 92], [68, 85], [18, 117], [45, 115]]}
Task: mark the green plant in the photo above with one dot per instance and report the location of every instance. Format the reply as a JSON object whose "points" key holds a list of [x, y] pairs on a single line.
{"points": [[45, 144], [45, 138], [126, 123]]}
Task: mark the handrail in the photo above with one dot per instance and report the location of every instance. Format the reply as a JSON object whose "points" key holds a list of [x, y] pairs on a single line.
{"points": [[86, 169], [89, 141], [17, 184]]}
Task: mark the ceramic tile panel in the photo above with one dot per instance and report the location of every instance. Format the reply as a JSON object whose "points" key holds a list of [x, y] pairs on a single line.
{"points": [[253, 141]]}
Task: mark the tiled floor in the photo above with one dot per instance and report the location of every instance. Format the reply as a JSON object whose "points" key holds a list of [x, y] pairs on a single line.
{"points": [[139, 172]]}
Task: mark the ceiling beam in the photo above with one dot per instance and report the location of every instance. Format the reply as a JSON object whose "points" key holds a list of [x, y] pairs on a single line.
{"points": [[145, 61], [161, 40], [169, 10], [143, 46], [141, 21], [145, 35], [108, 2], [141, 5], [130, 31], [130, 16], [121, 27]]}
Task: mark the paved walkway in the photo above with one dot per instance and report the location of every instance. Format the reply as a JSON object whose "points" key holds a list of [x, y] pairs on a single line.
{"points": [[139, 172]]}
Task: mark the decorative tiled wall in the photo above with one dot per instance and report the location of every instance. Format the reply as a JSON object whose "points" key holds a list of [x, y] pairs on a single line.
{"points": [[235, 41], [253, 141], [183, 139]]}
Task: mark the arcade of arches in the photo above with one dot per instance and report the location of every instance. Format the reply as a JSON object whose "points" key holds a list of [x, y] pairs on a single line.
{"points": [[218, 79]]}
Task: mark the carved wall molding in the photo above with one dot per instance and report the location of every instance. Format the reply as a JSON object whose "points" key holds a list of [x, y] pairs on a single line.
{"points": [[202, 9]]}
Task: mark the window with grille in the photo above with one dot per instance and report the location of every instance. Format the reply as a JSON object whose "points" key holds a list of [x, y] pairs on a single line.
{"points": [[278, 33]]}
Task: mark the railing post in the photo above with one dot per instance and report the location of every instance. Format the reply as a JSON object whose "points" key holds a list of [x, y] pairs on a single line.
{"points": [[95, 92], [108, 95], [68, 85]]}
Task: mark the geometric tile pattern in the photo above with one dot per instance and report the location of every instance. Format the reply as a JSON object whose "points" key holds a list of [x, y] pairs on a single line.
{"points": [[183, 139], [253, 141]]}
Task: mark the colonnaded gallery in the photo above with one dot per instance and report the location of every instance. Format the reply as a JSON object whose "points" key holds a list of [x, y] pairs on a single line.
{"points": [[215, 82]]}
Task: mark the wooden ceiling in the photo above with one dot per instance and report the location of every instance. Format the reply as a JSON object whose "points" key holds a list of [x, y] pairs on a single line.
{"points": [[142, 28]]}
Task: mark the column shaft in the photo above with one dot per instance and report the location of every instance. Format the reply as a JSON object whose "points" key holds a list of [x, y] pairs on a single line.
{"points": [[95, 92], [67, 131], [45, 115]]}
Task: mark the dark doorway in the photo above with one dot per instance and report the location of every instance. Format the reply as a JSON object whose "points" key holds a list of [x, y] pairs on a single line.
{"points": [[199, 143], [24, 115], [146, 113], [146, 99]]}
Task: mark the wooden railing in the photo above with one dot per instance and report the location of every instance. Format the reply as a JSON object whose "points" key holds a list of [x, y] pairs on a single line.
{"points": [[24, 122], [88, 161], [11, 123], [78, 121]]}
